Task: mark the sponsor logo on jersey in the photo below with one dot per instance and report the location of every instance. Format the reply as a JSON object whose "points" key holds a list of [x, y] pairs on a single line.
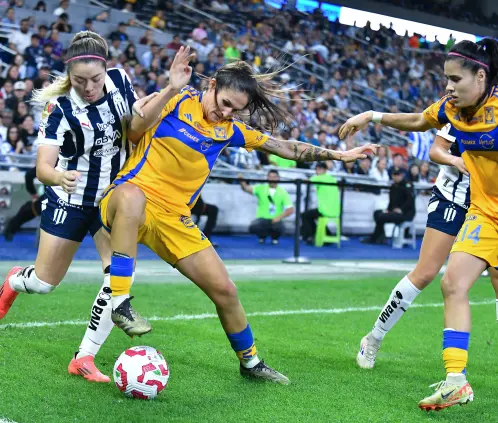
{"points": [[470, 217], [103, 152], [79, 111], [104, 125], [86, 125], [63, 203], [188, 135], [206, 144], [487, 141], [108, 138]]}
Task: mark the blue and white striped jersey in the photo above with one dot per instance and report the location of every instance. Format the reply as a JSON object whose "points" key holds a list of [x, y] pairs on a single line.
{"points": [[92, 137], [452, 184], [421, 144]]}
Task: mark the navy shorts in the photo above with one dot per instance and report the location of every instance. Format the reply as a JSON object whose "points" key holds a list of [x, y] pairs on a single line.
{"points": [[68, 221], [444, 215]]}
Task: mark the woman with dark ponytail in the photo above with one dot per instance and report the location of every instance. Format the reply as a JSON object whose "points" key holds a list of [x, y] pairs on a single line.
{"points": [[82, 145], [151, 199], [471, 106]]}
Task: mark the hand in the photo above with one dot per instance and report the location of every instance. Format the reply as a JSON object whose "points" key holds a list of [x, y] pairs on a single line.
{"points": [[68, 180], [276, 219], [460, 165], [139, 104], [357, 153], [355, 124], [240, 177], [397, 210], [180, 71]]}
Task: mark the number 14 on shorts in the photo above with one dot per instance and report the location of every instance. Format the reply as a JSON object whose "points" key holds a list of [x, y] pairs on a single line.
{"points": [[472, 235]]}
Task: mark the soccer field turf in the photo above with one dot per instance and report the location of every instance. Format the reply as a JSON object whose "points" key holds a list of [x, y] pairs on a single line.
{"points": [[307, 327]]}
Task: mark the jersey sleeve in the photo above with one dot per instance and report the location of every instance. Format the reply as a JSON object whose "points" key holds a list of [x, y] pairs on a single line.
{"points": [[52, 125], [256, 189], [247, 137], [446, 133], [287, 200], [436, 113], [130, 94]]}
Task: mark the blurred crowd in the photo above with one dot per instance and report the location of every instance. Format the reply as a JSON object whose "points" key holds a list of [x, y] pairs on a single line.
{"points": [[338, 70]]}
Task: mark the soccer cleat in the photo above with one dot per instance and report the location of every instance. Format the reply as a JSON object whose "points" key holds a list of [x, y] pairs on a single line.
{"points": [[127, 319], [7, 294], [369, 346], [85, 367], [452, 391], [263, 372]]}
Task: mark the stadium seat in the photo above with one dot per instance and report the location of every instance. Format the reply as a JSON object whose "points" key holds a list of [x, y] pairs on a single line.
{"points": [[321, 236], [398, 236]]}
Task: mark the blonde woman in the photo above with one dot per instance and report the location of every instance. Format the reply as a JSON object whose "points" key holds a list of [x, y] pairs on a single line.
{"points": [[82, 146]]}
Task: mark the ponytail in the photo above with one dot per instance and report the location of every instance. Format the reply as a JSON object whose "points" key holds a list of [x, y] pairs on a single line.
{"points": [[490, 46]]}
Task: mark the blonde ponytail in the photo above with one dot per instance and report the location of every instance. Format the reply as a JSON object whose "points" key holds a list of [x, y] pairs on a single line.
{"points": [[83, 43]]}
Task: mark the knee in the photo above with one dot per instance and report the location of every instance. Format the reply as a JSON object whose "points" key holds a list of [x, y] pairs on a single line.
{"points": [[423, 277], [130, 200], [452, 286], [225, 294]]}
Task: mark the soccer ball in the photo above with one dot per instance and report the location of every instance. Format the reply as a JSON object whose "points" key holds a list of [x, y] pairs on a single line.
{"points": [[141, 372]]}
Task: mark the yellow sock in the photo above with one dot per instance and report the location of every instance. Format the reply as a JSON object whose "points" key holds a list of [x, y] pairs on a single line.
{"points": [[121, 274]]}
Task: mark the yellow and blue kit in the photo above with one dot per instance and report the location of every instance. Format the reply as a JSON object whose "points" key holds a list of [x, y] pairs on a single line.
{"points": [[478, 139], [171, 164]]}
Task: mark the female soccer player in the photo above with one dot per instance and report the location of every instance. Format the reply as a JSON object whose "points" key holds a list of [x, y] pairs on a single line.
{"points": [[446, 214], [82, 146], [470, 107], [150, 201]]}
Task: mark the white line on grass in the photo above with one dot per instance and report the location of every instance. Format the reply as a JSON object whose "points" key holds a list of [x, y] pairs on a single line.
{"points": [[186, 317], [6, 421]]}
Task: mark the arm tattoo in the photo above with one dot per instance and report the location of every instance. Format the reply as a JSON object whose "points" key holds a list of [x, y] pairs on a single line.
{"points": [[298, 151]]}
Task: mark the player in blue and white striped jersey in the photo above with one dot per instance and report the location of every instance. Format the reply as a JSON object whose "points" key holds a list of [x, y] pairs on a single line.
{"points": [[446, 214], [421, 144], [82, 145]]}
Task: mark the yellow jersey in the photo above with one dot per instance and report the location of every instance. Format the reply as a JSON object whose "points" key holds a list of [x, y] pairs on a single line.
{"points": [[478, 139], [173, 160]]}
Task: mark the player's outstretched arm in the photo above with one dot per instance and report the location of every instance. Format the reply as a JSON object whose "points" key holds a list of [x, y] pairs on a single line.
{"points": [[413, 122], [304, 152], [179, 76], [439, 154]]}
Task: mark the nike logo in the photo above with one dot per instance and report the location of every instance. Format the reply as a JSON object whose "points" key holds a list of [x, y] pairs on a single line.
{"points": [[447, 395]]}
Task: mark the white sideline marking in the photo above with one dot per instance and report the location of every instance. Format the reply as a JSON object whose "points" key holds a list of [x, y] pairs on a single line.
{"points": [[186, 317], [6, 421]]}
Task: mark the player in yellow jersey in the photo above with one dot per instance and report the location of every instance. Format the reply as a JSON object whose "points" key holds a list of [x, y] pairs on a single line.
{"points": [[471, 106], [151, 198]]}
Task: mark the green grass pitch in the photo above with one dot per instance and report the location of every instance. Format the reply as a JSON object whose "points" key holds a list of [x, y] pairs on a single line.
{"points": [[315, 350]]}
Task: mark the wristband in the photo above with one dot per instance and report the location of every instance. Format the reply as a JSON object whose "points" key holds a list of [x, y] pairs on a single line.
{"points": [[377, 117]]}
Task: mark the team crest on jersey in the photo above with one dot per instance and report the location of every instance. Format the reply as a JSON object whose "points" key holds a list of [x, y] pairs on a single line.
{"points": [[220, 132], [187, 222], [49, 108], [487, 142], [489, 115]]}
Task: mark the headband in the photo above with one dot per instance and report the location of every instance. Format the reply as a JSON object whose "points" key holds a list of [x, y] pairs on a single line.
{"points": [[85, 56], [468, 58]]}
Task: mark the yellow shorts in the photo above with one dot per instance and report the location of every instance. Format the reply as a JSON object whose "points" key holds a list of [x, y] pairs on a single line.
{"points": [[170, 235], [478, 236]]}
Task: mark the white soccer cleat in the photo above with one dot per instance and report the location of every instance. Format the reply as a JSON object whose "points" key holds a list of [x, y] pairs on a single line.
{"points": [[369, 346]]}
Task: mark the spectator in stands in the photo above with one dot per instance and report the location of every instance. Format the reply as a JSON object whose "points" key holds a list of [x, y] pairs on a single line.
{"points": [[41, 6], [149, 55], [398, 165], [130, 55], [88, 25], [324, 197], [232, 54], [12, 145], [32, 55], [62, 23], [21, 39], [200, 32], [376, 133], [7, 90], [424, 172], [43, 34], [20, 112], [158, 21], [210, 65], [12, 73], [379, 171], [363, 166], [19, 95], [274, 204], [102, 16], [6, 123], [115, 48], [244, 159], [47, 57], [53, 40], [383, 152], [127, 8], [401, 208], [413, 173], [28, 134], [211, 211], [147, 38], [120, 33], [342, 100], [175, 43], [63, 8], [9, 17]]}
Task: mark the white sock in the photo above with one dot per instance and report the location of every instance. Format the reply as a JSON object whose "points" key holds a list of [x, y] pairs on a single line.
{"points": [[100, 324], [401, 297], [249, 364], [26, 281], [458, 378], [118, 299]]}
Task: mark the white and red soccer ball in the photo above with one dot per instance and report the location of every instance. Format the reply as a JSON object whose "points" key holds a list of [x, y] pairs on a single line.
{"points": [[141, 372]]}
